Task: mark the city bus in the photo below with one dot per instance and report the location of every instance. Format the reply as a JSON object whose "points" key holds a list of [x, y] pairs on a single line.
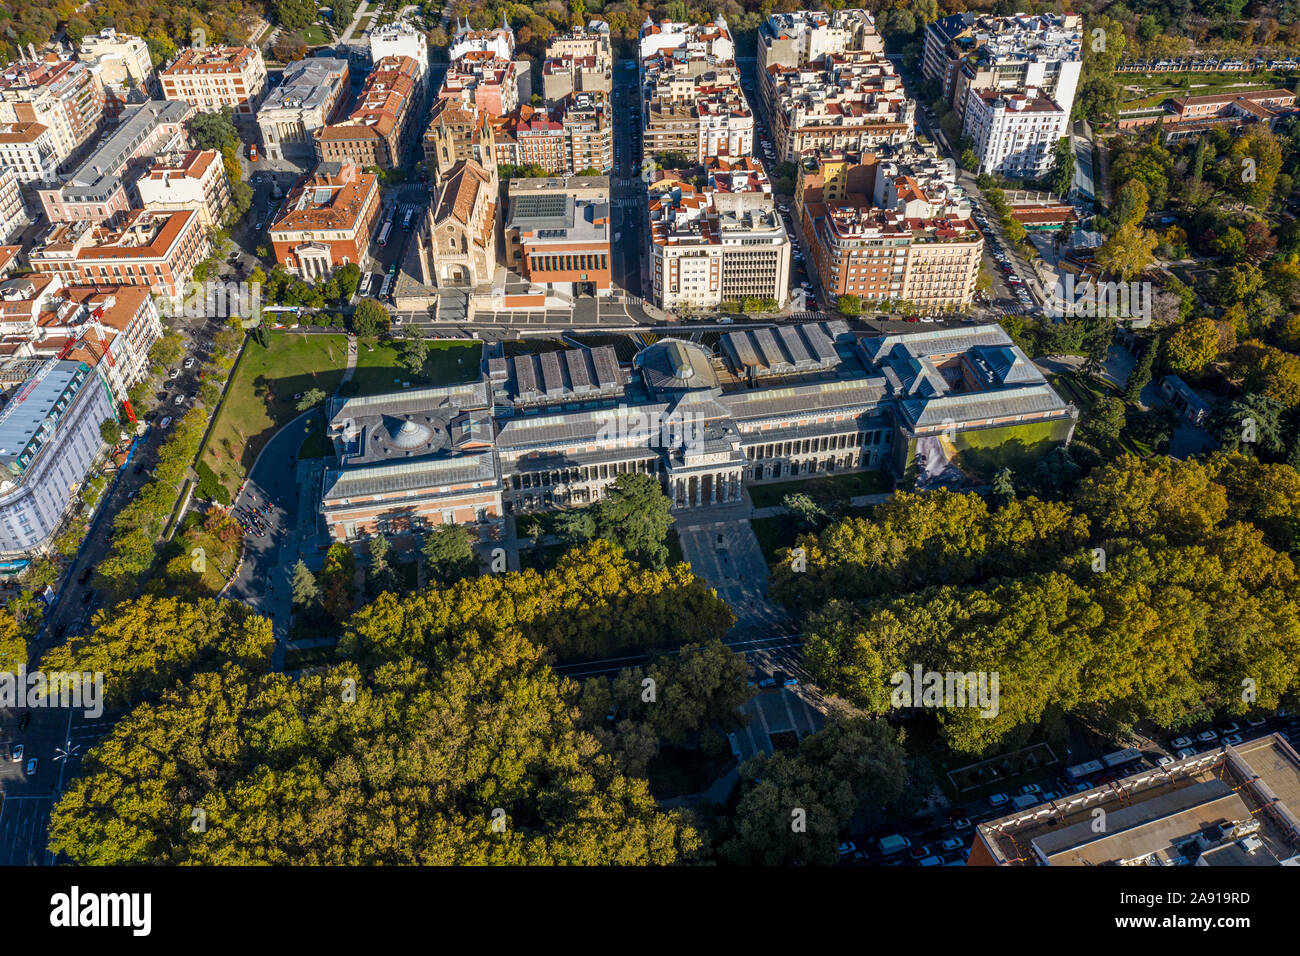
{"points": [[406, 222], [383, 233]]}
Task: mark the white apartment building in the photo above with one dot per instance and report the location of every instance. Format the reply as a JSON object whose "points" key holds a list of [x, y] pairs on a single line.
{"points": [[121, 58], [726, 126], [805, 36], [400, 38], [499, 42], [194, 180], [850, 101], [1015, 133], [57, 92], [28, 151], [709, 248], [968, 53], [49, 438], [13, 213], [708, 39]]}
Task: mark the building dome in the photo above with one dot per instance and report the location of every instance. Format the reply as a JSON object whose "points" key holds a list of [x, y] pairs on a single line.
{"points": [[410, 434]]}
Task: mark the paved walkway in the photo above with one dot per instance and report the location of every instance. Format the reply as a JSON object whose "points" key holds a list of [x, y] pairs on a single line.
{"points": [[356, 19]]}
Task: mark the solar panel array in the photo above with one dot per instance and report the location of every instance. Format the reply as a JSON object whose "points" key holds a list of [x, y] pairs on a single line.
{"points": [[783, 350], [566, 375]]}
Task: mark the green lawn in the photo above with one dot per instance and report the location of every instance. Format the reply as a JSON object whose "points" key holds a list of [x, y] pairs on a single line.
{"points": [[824, 489], [450, 363], [1158, 87], [260, 399], [315, 35]]}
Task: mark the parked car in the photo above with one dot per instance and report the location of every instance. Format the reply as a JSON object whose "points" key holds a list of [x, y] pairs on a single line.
{"points": [[931, 861], [1164, 760], [165, 422], [1185, 753], [920, 851], [1255, 721], [31, 767], [178, 400], [997, 799], [1208, 736], [847, 848], [767, 682], [1232, 740], [1179, 743], [16, 755], [953, 843], [189, 362], [1229, 728], [1031, 788], [961, 823]]}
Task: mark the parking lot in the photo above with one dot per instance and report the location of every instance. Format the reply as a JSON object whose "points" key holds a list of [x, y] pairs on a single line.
{"points": [[925, 834]]}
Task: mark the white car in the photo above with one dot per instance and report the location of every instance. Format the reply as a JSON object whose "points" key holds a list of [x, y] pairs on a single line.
{"points": [[1164, 760], [17, 755], [189, 362]]}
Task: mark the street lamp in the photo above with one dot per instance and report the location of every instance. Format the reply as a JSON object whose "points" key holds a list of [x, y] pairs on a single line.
{"points": [[66, 751]]}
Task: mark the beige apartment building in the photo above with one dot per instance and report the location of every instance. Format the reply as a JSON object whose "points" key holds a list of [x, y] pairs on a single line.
{"points": [[212, 78]]}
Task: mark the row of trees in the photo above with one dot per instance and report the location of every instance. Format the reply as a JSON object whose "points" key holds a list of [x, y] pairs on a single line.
{"points": [[1160, 590]]}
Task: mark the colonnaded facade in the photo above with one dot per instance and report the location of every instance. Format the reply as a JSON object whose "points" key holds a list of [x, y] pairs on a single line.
{"points": [[555, 429]]}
